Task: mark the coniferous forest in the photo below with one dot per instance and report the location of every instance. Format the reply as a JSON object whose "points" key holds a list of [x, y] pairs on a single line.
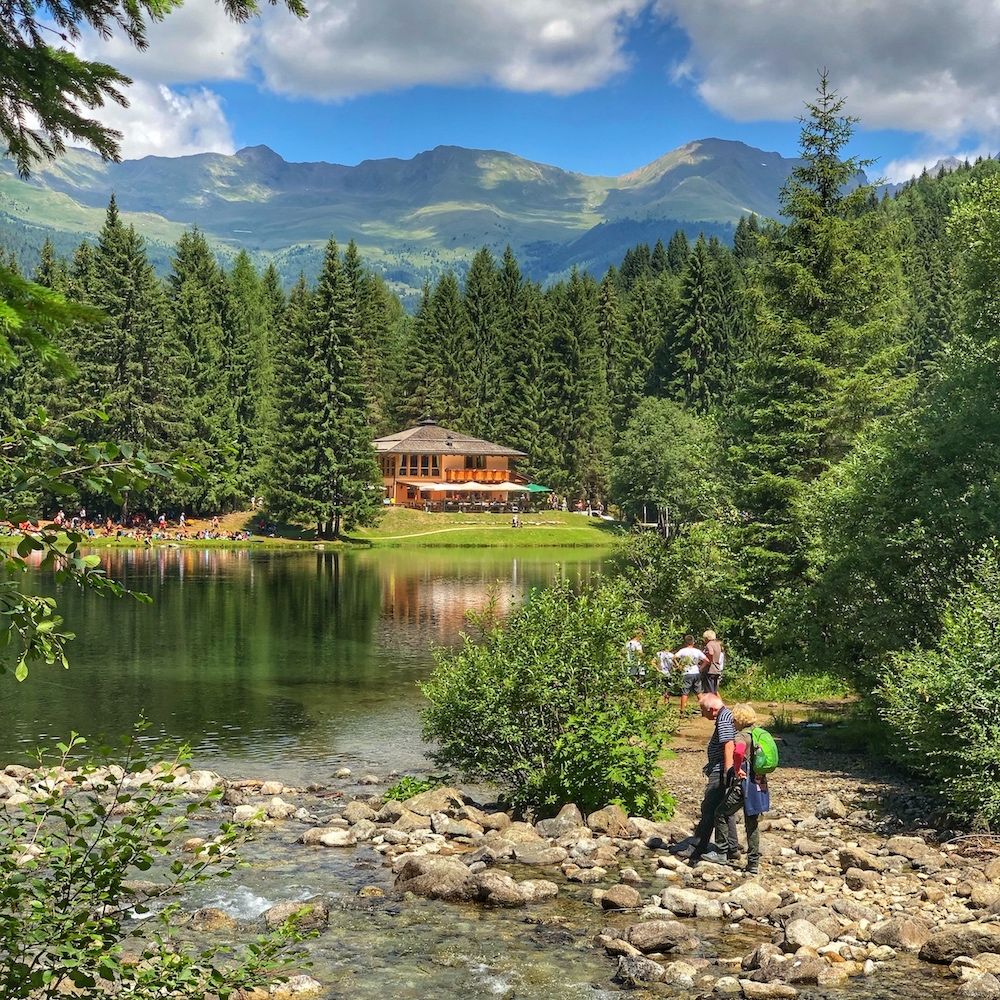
{"points": [[813, 408]]}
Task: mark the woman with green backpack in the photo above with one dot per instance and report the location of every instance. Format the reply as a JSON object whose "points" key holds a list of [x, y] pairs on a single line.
{"points": [[755, 755]]}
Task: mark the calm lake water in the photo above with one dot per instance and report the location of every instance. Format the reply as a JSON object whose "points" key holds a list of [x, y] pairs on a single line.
{"points": [[269, 663]]}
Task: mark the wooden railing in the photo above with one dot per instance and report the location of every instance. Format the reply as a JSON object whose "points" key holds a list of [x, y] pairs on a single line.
{"points": [[476, 475]]}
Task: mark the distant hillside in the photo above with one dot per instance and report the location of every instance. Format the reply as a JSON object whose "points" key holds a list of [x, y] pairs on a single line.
{"points": [[412, 218]]}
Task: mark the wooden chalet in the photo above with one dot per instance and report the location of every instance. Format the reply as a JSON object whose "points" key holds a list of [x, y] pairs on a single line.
{"points": [[431, 467]]}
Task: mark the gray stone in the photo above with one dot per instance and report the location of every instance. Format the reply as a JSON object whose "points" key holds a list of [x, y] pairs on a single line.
{"points": [[981, 986], [767, 991], [497, 888], [759, 955], [212, 919], [965, 939], [854, 857], [830, 807], [539, 853], [657, 935], [358, 810], [810, 848], [568, 818], [621, 897], [437, 878], [410, 822], [681, 902], [902, 933], [802, 934], [308, 914], [858, 879], [437, 800], [727, 986], [338, 838], [613, 821], [636, 970], [754, 899], [537, 890]]}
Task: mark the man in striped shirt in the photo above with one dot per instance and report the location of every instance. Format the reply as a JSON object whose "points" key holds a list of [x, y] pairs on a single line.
{"points": [[718, 771]]}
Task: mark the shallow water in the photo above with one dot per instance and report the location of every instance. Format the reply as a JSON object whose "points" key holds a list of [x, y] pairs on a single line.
{"points": [[270, 663]]}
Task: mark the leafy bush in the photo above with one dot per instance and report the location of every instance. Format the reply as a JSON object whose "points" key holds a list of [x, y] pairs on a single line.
{"points": [[67, 918], [408, 786], [543, 703], [943, 704]]}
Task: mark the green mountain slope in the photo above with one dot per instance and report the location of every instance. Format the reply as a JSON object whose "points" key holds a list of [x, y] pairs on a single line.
{"points": [[412, 218]]}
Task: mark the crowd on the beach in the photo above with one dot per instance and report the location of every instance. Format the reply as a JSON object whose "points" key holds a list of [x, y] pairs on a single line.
{"points": [[142, 527], [740, 753]]}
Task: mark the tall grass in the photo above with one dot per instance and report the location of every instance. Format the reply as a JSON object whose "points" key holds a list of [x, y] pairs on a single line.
{"points": [[755, 683]]}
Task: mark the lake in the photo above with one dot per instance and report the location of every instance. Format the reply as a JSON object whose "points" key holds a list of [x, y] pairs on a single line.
{"points": [[284, 663]]}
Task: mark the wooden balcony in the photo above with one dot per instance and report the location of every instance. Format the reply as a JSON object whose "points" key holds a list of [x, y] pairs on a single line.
{"points": [[476, 475]]}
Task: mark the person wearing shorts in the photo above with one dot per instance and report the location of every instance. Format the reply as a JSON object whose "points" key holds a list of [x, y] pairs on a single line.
{"points": [[690, 660], [665, 665]]}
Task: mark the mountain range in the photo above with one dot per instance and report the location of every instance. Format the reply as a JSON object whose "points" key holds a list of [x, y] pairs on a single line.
{"points": [[412, 219]]}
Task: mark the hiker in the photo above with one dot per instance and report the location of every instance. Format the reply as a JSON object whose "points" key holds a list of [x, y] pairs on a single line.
{"points": [[633, 655], [690, 660], [711, 672], [665, 664], [748, 791], [719, 772]]}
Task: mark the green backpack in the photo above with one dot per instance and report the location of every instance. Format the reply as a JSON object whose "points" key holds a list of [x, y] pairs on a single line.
{"points": [[765, 756]]}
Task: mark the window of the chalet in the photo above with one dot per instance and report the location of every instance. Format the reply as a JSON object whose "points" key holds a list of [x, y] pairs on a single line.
{"points": [[475, 461]]}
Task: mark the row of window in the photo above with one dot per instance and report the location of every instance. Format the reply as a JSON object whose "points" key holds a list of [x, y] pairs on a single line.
{"points": [[423, 465]]}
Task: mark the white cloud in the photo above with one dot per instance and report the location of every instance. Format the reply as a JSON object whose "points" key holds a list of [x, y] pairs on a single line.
{"points": [[195, 44], [351, 47], [909, 167], [165, 122], [921, 65]]}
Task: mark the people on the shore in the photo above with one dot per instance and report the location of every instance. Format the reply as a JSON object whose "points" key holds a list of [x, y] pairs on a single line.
{"points": [[690, 661], [715, 655], [719, 772], [665, 665], [633, 656]]}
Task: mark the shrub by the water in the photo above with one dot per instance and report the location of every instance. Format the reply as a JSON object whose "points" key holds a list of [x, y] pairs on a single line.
{"points": [[69, 922], [544, 704], [408, 786], [943, 704]]}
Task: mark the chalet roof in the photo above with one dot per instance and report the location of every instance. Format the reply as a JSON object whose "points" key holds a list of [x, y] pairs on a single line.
{"points": [[427, 438]]}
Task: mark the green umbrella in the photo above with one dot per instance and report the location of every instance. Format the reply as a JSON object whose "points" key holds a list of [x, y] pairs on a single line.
{"points": [[538, 488]]}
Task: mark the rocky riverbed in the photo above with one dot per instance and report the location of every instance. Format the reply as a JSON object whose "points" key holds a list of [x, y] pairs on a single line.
{"points": [[442, 895]]}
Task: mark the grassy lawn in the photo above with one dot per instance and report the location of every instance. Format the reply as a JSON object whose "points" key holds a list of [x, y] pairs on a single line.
{"points": [[401, 527]]}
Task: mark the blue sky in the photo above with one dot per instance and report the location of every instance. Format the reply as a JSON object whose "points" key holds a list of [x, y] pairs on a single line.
{"points": [[600, 86]]}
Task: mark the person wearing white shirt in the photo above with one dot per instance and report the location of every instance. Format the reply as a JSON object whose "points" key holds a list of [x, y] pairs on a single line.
{"points": [[665, 664], [691, 661]]}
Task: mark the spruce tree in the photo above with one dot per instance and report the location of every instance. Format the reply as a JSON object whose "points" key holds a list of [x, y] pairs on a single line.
{"points": [[247, 362], [486, 329], [128, 363], [678, 251], [196, 291], [340, 488]]}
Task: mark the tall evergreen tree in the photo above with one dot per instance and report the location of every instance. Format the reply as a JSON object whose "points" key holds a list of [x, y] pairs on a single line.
{"points": [[678, 251]]}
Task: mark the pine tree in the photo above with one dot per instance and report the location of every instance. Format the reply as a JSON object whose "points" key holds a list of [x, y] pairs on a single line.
{"points": [[678, 251], [338, 482], [451, 393], [659, 262], [196, 292], [697, 341], [247, 361], [484, 309], [127, 364], [625, 351]]}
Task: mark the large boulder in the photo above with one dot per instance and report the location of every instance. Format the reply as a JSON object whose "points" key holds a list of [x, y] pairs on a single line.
{"points": [[497, 888], [854, 857], [212, 919], [902, 933], [621, 897], [980, 986], [613, 821], [539, 853], [8, 786], [657, 935], [437, 878], [948, 943], [803, 934], [357, 810], [568, 818], [682, 902], [308, 914], [437, 800], [635, 970], [830, 807], [754, 899], [767, 991]]}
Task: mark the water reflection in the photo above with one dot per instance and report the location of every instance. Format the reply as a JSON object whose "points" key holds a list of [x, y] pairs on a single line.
{"points": [[290, 662]]}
